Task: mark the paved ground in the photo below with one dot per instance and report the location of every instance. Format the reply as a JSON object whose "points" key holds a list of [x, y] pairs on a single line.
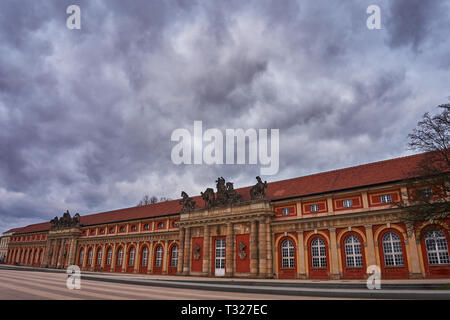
{"points": [[31, 285], [37, 283]]}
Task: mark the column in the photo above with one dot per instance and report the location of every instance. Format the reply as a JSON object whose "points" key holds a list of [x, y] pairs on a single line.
{"points": [[113, 259], [165, 255], [371, 258], [104, 256], [137, 258], [94, 257], [229, 244], [187, 251], [181, 252], [301, 256], [262, 248], [253, 249], [334, 255], [206, 251], [125, 257], [269, 248], [85, 257], [72, 252], [61, 254], [150, 257], [415, 271], [54, 255]]}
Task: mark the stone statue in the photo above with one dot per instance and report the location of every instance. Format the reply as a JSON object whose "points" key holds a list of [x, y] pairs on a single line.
{"points": [[258, 191], [232, 195], [208, 197], [187, 202], [222, 198]]}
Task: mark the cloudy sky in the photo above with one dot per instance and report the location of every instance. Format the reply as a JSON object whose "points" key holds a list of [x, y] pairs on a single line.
{"points": [[86, 115]]}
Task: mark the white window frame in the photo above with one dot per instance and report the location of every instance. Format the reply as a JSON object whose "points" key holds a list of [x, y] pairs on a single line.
{"points": [[174, 256], [285, 211], [119, 257], [108, 257], [353, 252], [158, 259], [436, 239], [347, 203], [386, 198], [131, 257], [99, 256], [393, 243], [144, 256], [314, 208], [319, 260], [287, 254]]}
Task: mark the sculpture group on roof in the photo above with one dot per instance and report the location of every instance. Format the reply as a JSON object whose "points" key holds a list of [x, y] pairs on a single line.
{"points": [[226, 195], [66, 221]]}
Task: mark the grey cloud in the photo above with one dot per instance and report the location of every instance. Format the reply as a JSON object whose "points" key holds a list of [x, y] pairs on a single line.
{"points": [[86, 115]]}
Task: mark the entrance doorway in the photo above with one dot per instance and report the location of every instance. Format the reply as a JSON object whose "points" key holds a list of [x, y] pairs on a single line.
{"points": [[219, 257]]}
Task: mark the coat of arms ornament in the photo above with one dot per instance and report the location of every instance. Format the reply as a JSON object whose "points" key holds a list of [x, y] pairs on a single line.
{"points": [[196, 251], [242, 253], [66, 221]]}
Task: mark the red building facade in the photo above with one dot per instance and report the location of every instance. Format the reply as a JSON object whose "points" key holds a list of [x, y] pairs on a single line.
{"points": [[331, 225]]}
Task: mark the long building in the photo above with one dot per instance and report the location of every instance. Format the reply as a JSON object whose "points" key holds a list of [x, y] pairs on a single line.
{"points": [[331, 225]]}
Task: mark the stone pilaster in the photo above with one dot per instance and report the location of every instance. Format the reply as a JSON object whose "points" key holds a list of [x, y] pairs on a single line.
{"points": [[125, 256], [150, 257], [370, 248], [181, 252], [229, 243], [206, 251], [187, 251], [262, 248], [165, 261], [301, 269], [269, 248], [415, 272], [137, 258], [253, 249], [113, 259], [335, 274]]}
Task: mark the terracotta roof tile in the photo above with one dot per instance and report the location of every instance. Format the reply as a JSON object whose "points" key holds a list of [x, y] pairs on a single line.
{"points": [[359, 176]]}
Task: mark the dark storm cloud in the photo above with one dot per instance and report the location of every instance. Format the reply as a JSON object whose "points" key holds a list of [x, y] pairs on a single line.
{"points": [[87, 115], [413, 22]]}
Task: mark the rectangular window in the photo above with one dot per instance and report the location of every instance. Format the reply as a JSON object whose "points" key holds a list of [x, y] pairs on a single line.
{"points": [[426, 193], [386, 198], [285, 211], [347, 203], [314, 208]]}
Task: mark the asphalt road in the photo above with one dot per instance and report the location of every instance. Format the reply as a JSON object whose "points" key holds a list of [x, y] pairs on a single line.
{"points": [[33, 285]]}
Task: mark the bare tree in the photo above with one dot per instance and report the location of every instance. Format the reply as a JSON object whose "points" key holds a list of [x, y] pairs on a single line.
{"points": [[149, 200], [429, 186]]}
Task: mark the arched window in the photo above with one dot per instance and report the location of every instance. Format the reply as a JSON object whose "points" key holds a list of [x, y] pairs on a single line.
{"points": [[436, 244], [108, 257], [318, 253], [158, 260], [144, 256], [89, 257], [174, 257], [120, 256], [80, 262], [99, 256], [131, 257], [392, 248], [287, 254], [353, 255]]}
